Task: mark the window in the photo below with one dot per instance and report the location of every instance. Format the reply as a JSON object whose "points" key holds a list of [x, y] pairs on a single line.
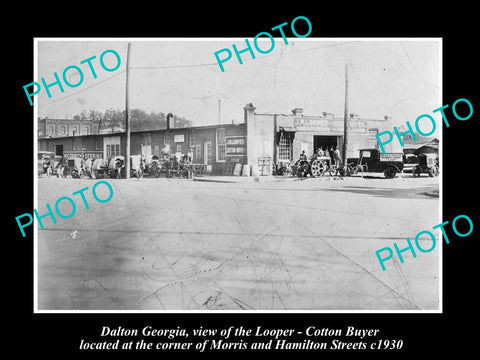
{"points": [[86, 130], [113, 150], [179, 148], [146, 139], [192, 140], [51, 130], [220, 145], [62, 130], [284, 147], [372, 140], [198, 153], [156, 150]]}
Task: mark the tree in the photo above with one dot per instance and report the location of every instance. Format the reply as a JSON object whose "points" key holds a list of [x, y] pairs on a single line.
{"points": [[140, 119], [84, 115], [95, 115]]}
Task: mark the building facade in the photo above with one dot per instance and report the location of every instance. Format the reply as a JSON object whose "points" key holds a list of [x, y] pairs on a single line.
{"points": [[218, 147], [261, 141], [65, 127], [283, 137]]}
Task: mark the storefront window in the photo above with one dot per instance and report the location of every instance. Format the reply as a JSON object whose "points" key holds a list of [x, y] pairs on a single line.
{"points": [[284, 147], [112, 150], [198, 153], [220, 144], [146, 139]]}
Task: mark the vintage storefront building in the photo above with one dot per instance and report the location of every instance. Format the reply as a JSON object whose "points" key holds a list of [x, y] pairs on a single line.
{"points": [[283, 137], [261, 141]]}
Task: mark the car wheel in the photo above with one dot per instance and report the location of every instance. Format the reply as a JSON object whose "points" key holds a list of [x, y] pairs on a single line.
{"points": [[390, 172], [416, 171], [317, 168], [432, 171]]}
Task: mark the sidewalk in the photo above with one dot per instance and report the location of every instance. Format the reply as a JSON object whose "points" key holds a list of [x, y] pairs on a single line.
{"points": [[242, 179], [251, 179]]}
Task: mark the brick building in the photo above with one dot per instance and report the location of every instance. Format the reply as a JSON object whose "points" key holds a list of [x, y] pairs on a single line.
{"points": [[209, 145], [261, 139], [65, 127]]}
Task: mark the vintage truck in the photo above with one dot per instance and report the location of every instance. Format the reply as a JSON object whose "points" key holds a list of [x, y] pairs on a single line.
{"points": [[49, 164], [372, 160]]}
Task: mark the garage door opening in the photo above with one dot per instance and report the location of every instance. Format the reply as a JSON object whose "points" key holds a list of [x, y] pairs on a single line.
{"points": [[326, 141]]}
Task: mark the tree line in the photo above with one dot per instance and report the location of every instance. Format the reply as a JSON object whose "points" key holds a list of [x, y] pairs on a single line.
{"points": [[139, 119]]}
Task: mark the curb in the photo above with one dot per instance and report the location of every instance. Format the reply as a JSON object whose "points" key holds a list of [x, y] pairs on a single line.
{"points": [[239, 179]]}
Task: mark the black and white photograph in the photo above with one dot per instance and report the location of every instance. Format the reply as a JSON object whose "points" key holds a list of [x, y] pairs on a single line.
{"points": [[217, 180], [296, 179]]}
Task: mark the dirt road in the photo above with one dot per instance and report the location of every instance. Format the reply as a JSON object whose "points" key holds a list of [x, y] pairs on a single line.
{"points": [[184, 245]]}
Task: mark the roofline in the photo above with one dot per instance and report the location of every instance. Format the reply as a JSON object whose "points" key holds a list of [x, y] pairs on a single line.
{"points": [[47, 137]]}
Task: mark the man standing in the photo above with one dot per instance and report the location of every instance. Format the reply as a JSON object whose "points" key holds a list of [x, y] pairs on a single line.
{"points": [[338, 157], [331, 152]]}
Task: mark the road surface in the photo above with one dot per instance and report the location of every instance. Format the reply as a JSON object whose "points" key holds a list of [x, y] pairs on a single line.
{"points": [[162, 244]]}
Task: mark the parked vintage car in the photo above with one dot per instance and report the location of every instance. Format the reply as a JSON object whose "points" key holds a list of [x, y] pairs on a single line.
{"points": [[372, 160], [49, 164], [427, 164], [75, 167], [152, 165], [115, 167], [410, 161]]}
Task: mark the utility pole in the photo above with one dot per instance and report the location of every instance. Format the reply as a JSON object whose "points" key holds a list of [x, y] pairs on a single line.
{"points": [[345, 118], [127, 118]]}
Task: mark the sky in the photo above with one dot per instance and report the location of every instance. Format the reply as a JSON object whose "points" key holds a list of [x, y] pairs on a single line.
{"points": [[398, 78]]}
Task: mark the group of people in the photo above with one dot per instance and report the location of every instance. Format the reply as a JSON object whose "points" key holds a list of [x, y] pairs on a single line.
{"points": [[333, 154]]}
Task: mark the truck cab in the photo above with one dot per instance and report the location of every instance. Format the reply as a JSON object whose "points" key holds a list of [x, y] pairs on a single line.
{"points": [[372, 160]]}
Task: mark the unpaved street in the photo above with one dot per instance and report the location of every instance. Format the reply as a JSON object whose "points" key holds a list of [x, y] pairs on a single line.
{"points": [[268, 245]]}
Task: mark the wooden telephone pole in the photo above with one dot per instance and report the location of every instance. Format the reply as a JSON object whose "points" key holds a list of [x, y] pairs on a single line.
{"points": [[127, 119], [345, 118]]}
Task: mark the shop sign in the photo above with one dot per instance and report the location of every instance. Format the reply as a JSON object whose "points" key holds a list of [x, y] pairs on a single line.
{"points": [[391, 157], [179, 138], [80, 154], [307, 124], [236, 146], [327, 125]]}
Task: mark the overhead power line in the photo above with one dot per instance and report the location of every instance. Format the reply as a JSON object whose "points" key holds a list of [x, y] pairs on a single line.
{"points": [[247, 59], [188, 66], [169, 67], [84, 89]]}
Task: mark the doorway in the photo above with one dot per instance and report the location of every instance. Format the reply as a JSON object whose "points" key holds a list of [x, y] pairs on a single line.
{"points": [[207, 155], [326, 141], [59, 150]]}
